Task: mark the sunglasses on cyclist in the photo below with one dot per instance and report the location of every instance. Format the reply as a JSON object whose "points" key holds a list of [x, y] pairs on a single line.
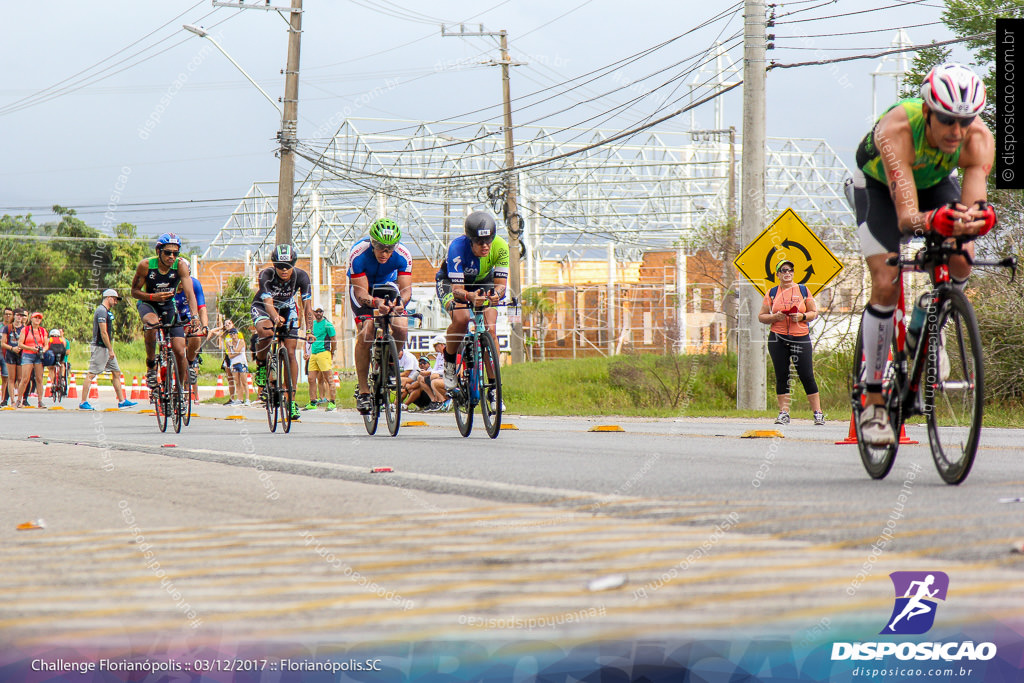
{"points": [[947, 120], [283, 266], [169, 252], [381, 247]]}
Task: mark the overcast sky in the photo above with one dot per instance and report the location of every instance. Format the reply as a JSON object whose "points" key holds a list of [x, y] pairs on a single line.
{"points": [[174, 121]]}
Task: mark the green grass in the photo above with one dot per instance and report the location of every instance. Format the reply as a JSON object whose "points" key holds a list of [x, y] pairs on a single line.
{"points": [[703, 384]]}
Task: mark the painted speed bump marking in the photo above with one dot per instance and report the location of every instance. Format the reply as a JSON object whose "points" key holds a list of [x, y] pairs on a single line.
{"points": [[414, 423], [762, 434], [606, 428], [508, 426]]}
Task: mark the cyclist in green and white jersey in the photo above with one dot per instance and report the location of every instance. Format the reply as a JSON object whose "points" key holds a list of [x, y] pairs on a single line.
{"points": [[477, 262]]}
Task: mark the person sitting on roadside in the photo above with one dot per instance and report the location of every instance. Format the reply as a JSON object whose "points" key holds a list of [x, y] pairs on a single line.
{"points": [[433, 382], [413, 391]]}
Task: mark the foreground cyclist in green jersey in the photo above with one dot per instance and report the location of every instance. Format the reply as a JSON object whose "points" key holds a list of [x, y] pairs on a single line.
{"points": [[477, 261], [904, 187]]}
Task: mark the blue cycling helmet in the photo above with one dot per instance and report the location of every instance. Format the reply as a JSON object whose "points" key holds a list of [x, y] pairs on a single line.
{"points": [[167, 238]]}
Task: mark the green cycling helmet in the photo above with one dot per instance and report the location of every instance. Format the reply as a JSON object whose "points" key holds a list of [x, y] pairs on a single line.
{"points": [[385, 231]]}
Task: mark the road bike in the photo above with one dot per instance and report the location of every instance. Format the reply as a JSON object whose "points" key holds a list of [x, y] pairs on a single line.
{"points": [[59, 390], [280, 390], [942, 378], [478, 376], [171, 400], [385, 375]]}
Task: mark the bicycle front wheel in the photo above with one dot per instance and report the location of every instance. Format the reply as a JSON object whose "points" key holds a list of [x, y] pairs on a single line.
{"points": [[877, 459], [270, 393], [462, 402], [176, 394], [284, 388], [490, 385], [953, 387], [390, 395], [160, 396]]}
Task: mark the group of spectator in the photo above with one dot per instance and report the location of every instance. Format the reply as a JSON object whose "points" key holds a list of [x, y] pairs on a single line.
{"points": [[423, 384], [25, 349]]}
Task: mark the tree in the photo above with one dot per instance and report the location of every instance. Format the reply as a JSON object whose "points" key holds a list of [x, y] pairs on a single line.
{"points": [[535, 301], [235, 300], [10, 294], [71, 310]]}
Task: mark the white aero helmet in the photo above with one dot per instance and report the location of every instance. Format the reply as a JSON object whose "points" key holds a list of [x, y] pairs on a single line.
{"points": [[439, 339], [953, 89]]}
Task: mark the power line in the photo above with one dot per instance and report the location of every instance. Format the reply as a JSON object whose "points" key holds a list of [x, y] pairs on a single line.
{"points": [[912, 48]]}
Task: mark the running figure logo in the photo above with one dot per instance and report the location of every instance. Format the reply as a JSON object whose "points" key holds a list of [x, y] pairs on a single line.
{"points": [[916, 593]]}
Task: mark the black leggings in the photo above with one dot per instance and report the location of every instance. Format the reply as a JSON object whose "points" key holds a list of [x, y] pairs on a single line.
{"points": [[783, 348]]}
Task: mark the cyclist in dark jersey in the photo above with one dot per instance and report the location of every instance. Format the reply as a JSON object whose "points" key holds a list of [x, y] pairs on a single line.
{"points": [[477, 261], [274, 306], [904, 187], [156, 279]]}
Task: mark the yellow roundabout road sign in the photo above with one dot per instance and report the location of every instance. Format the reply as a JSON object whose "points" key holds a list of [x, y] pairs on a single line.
{"points": [[814, 265]]}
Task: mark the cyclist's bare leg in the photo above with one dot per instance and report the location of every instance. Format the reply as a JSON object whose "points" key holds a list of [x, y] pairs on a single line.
{"points": [[150, 336], [959, 268], [192, 349], [264, 332], [457, 329], [885, 293], [364, 341], [178, 347], [400, 331], [290, 343]]}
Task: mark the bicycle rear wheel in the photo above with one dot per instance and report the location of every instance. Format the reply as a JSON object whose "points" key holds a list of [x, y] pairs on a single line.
{"points": [[176, 394], [389, 397], [187, 403], [490, 385], [953, 393], [878, 460], [462, 401], [284, 388]]}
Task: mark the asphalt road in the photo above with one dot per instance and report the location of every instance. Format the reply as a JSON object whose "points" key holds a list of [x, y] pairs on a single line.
{"points": [[475, 533]]}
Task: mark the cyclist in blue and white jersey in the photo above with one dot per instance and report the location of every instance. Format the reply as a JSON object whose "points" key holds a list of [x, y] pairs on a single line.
{"points": [[274, 305], [155, 282], [194, 342], [477, 261], [380, 279]]}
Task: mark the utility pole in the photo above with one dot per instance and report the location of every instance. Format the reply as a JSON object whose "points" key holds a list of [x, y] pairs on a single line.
{"points": [[512, 219], [751, 371], [287, 136]]}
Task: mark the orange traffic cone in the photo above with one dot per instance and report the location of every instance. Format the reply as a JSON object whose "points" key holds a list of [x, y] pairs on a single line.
{"points": [[72, 388], [219, 392], [47, 393], [94, 391], [851, 438], [143, 390], [337, 381], [248, 383], [134, 395]]}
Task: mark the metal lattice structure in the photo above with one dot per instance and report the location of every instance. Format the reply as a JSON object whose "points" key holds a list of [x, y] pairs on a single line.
{"points": [[645, 193]]}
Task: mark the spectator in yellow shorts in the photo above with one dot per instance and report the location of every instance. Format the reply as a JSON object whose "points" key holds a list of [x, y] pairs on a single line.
{"points": [[321, 362]]}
